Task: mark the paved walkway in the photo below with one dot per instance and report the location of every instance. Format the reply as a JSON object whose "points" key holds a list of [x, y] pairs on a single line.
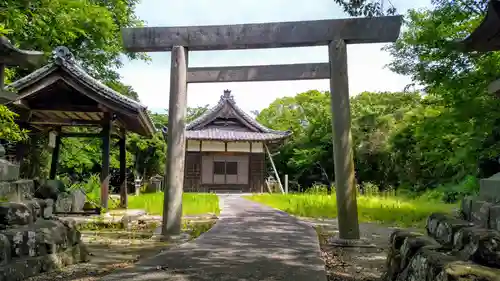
{"points": [[250, 242]]}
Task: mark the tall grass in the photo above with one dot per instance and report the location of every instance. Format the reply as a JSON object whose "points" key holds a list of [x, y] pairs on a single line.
{"points": [[192, 203], [382, 209]]}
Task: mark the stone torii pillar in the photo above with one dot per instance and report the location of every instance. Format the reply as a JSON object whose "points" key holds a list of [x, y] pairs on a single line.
{"points": [[334, 33]]}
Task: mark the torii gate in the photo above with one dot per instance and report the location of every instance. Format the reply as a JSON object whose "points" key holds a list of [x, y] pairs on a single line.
{"points": [[335, 33]]}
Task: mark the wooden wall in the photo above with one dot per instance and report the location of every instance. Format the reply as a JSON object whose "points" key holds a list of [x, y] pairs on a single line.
{"points": [[255, 165]]}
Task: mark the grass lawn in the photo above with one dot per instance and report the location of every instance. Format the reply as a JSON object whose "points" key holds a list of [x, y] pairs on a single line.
{"points": [[381, 209], [192, 203]]}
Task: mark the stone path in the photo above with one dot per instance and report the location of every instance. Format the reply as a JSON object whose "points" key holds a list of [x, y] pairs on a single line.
{"points": [[250, 242]]}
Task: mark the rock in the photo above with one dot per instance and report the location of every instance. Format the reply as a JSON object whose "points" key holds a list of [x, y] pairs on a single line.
{"points": [[16, 191], [467, 271], [412, 245], [35, 208], [78, 200], [466, 208], [42, 238], [49, 189], [393, 265], [479, 245], [8, 171], [5, 250], [64, 203], [480, 212], [21, 269], [15, 214], [426, 264], [490, 189], [398, 237], [442, 228], [494, 222]]}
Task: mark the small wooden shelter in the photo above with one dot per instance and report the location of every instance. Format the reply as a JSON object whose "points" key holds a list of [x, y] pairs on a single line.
{"points": [[486, 38], [226, 150], [61, 95]]}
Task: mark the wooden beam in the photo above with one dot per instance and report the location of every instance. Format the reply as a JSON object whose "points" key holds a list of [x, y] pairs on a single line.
{"points": [[342, 142], [299, 71], [80, 135], [67, 122], [274, 168], [50, 111], [176, 143], [262, 35]]}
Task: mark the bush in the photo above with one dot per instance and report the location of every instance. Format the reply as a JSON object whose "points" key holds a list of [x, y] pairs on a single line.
{"points": [[318, 189]]}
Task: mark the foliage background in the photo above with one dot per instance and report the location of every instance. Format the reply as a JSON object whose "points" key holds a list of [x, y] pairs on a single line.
{"points": [[437, 140]]}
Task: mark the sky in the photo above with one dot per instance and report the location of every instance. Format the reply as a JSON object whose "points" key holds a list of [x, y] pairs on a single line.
{"points": [[366, 62]]}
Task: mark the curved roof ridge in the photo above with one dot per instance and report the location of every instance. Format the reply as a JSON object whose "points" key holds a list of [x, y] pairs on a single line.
{"points": [[63, 58], [227, 98]]}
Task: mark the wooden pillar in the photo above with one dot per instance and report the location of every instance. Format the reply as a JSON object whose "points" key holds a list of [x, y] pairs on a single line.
{"points": [[342, 142], [123, 172], [2, 76], [286, 183], [274, 168], [106, 139], [55, 155], [176, 143]]}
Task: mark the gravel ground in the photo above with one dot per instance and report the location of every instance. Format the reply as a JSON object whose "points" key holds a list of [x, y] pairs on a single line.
{"points": [[354, 263]]}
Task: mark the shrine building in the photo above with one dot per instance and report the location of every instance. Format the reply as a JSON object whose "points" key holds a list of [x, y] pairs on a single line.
{"points": [[227, 149]]}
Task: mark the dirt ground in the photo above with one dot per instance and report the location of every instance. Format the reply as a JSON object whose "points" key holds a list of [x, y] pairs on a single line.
{"points": [[113, 249], [354, 263]]}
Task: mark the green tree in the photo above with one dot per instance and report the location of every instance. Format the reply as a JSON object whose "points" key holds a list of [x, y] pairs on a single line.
{"points": [[89, 28], [458, 130]]}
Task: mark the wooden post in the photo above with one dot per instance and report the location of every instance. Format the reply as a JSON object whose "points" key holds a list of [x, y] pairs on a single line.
{"points": [[286, 183], [55, 155], [342, 142], [176, 143], [2, 76], [106, 139], [123, 172], [274, 168]]}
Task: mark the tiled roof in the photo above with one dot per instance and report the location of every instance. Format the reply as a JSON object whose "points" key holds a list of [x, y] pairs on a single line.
{"points": [[256, 131], [63, 59], [228, 135]]}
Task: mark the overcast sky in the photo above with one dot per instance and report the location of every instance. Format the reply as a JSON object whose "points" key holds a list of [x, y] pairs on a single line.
{"points": [[366, 63]]}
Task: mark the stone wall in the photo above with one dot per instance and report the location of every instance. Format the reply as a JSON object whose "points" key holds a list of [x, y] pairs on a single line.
{"points": [[32, 239], [465, 247]]}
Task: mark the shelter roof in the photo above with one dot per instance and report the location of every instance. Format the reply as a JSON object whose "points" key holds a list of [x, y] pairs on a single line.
{"points": [[63, 93], [228, 122], [486, 37]]}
